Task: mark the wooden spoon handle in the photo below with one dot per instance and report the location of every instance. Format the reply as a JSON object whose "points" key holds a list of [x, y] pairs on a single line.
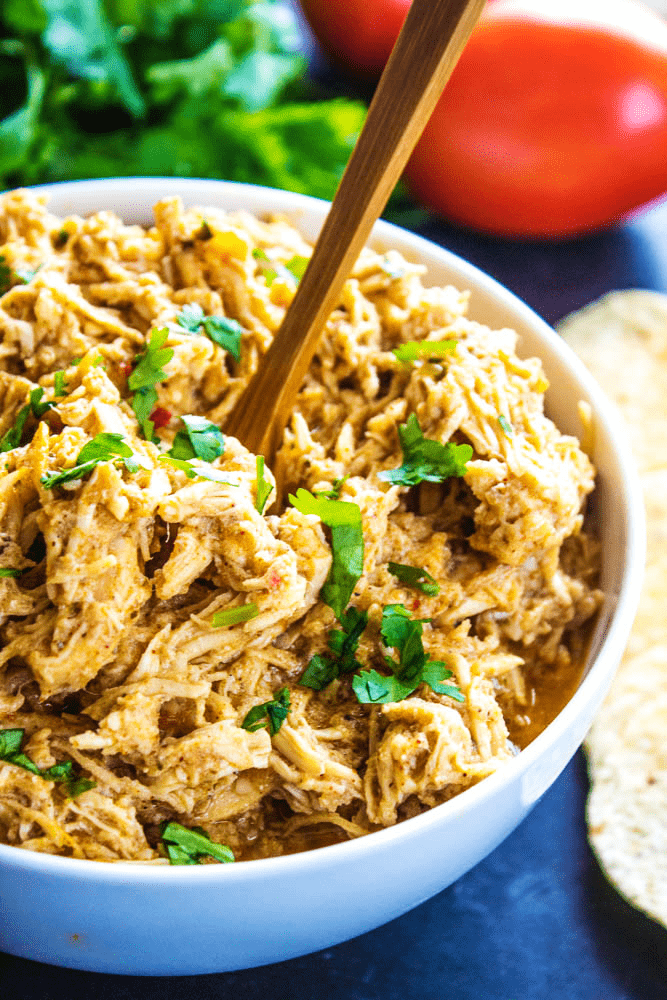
{"points": [[433, 37]]}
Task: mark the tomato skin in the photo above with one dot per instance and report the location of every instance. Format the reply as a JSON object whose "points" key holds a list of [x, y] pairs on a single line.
{"points": [[547, 127], [357, 34]]}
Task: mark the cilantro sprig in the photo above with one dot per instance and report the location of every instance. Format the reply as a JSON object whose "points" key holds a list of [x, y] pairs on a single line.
{"points": [[347, 545], [425, 460], [104, 447], [222, 330], [415, 576], [193, 471], [59, 384], [200, 439], [12, 438], [7, 571], [148, 371], [292, 270], [343, 643], [63, 773], [189, 847], [264, 487], [270, 714], [429, 349], [334, 492], [414, 665]]}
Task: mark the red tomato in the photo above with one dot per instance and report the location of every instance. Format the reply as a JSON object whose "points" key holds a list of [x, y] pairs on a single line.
{"points": [[357, 34], [554, 121]]}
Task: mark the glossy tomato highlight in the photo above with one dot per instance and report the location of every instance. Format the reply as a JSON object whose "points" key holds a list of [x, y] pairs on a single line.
{"points": [[554, 121]]}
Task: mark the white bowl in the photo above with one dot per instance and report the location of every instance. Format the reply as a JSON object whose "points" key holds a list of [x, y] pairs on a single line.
{"points": [[143, 920]]}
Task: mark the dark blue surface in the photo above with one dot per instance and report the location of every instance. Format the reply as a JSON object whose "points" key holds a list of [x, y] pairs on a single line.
{"points": [[534, 921]]}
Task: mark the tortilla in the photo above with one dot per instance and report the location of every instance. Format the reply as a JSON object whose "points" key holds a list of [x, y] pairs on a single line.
{"points": [[623, 341]]}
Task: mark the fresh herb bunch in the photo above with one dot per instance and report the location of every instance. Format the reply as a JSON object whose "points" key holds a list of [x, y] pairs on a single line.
{"points": [[203, 88]]}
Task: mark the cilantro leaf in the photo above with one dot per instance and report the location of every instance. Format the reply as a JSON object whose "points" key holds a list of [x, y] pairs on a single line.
{"points": [[147, 372], [347, 545], [264, 487], [200, 439], [271, 714], [430, 349], [6, 571], [234, 616], [222, 330], [291, 271], [414, 667], [12, 438], [424, 459], [5, 276], [334, 492], [197, 471], [506, 426], [416, 577], [10, 751], [104, 447], [343, 644], [59, 384], [297, 266], [188, 847]]}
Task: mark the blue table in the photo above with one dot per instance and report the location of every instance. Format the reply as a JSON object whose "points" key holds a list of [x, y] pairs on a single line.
{"points": [[536, 920]]}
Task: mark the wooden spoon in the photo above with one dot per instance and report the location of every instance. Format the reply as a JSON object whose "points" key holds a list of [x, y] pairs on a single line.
{"points": [[432, 39]]}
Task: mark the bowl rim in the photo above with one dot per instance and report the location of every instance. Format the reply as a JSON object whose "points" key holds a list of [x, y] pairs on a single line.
{"points": [[620, 618]]}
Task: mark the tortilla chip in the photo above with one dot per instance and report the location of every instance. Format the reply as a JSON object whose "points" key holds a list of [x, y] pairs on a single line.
{"points": [[622, 339]]}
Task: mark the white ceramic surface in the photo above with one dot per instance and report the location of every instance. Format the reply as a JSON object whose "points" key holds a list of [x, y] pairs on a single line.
{"points": [[143, 920]]}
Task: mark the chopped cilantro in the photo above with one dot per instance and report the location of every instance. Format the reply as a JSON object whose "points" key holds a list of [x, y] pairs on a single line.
{"points": [[188, 847], [6, 571], [200, 439], [424, 459], [414, 666], [347, 545], [297, 266], [343, 643], [12, 438], [26, 274], [197, 471], [103, 447], [506, 426], [234, 616], [147, 372], [60, 239], [59, 384], [264, 487], [430, 349], [10, 751], [267, 266], [291, 271], [5, 276], [334, 492], [415, 576], [271, 714], [224, 332]]}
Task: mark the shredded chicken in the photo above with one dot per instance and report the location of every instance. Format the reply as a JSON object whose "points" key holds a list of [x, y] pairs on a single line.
{"points": [[109, 655]]}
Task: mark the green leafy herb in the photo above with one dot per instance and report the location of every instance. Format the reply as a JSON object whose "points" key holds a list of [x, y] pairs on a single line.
{"points": [[415, 576], [347, 545], [343, 644], [234, 616], [431, 349], [104, 447], [264, 487], [10, 751], [5, 276], [188, 847], [60, 239], [334, 492], [12, 438], [200, 439], [224, 332], [268, 267], [506, 426], [147, 372], [59, 384], [271, 714], [426, 460], [291, 271], [197, 471], [5, 571], [297, 266], [414, 666]]}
